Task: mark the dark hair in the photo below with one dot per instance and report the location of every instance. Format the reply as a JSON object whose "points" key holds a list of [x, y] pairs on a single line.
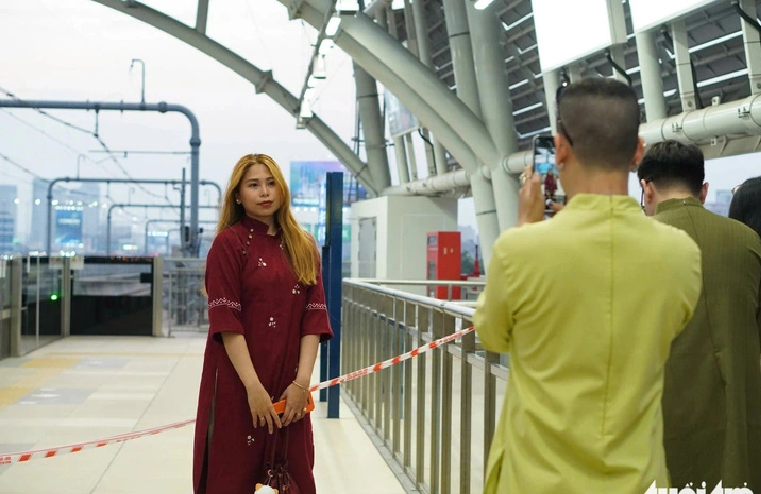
{"points": [[672, 164], [746, 204], [600, 118]]}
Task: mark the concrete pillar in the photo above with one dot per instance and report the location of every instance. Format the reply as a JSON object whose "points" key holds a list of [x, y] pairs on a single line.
{"points": [[372, 126], [491, 75], [650, 75], [752, 46], [456, 17], [551, 84]]}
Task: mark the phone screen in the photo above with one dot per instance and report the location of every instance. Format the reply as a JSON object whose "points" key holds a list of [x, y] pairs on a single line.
{"points": [[544, 164]]}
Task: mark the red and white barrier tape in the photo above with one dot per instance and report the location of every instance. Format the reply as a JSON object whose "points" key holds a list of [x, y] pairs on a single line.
{"points": [[8, 458], [388, 363]]}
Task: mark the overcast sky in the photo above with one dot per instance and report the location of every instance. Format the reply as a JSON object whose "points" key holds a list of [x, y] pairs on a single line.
{"points": [[80, 50]]}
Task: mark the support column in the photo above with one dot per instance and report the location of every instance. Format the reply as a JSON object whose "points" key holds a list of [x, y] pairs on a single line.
{"points": [[551, 82], [683, 65], [440, 154], [421, 30], [752, 46], [409, 25], [411, 158], [401, 160], [400, 151], [456, 17], [372, 127], [380, 18], [650, 75], [617, 54], [574, 72], [16, 272], [419, 45], [497, 109], [424, 53]]}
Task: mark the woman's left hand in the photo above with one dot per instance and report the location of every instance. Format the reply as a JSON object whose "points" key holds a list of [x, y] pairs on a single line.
{"points": [[295, 404]]}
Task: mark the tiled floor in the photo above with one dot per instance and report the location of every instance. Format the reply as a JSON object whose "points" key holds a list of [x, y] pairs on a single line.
{"points": [[81, 389]]}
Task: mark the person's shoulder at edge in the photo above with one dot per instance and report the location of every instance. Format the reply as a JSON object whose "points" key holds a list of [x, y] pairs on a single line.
{"points": [[749, 234]]}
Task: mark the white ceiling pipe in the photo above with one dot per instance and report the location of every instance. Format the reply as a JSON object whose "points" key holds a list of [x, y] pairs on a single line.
{"points": [[431, 185], [741, 118], [737, 118]]}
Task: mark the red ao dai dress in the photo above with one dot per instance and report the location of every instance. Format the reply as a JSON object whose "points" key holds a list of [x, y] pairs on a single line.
{"points": [[252, 291]]}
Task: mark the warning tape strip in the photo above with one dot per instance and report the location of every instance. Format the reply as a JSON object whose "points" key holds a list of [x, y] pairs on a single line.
{"points": [[388, 363], [20, 457]]}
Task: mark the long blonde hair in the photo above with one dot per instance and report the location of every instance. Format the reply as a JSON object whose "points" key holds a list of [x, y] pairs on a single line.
{"points": [[299, 245]]}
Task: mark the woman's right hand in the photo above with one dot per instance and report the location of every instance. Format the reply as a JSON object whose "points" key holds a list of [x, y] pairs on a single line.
{"points": [[262, 410]]}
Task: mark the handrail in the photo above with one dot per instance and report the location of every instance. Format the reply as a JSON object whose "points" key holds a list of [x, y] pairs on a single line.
{"points": [[433, 303], [419, 282]]}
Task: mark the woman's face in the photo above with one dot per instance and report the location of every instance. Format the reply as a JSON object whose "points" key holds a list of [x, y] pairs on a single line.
{"points": [[258, 193]]}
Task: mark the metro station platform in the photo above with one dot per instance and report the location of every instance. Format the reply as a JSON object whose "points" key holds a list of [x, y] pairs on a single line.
{"points": [[80, 389], [83, 360]]}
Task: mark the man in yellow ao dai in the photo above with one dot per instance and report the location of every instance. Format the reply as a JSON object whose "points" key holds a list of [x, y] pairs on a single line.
{"points": [[587, 305]]}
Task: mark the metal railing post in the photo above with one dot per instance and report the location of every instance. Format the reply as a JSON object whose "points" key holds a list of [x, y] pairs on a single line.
{"points": [[490, 401], [422, 327], [436, 402], [66, 294], [445, 443], [468, 346], [400, 404], [387, 333], [397, 383], [157, 294], [410, 314], [16, 272]]}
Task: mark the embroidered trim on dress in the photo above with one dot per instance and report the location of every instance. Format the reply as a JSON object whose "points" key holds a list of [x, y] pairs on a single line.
{"points": [[224, 302], [316, 307]]}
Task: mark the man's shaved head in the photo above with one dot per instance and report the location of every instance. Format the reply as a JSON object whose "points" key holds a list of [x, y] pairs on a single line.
{"points": [[601, 117]]}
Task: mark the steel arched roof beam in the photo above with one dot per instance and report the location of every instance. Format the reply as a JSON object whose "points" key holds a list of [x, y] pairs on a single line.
{"points": [[261, 79]]}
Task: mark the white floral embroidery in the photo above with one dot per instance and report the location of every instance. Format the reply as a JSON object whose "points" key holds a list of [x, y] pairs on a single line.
{"points": [[223, 302], [316, 307], [272, 323], [261, 262], [296, 289]]}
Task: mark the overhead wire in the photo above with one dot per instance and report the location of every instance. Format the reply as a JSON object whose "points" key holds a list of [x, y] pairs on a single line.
{"points": [[94, 135], [26, 170], [21, 167], [54, 139]]}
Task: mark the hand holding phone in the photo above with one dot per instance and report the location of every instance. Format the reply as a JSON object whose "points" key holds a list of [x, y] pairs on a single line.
{"points": [[544, 165]]}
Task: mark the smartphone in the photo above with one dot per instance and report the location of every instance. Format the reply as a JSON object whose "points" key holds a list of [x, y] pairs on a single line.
{"points": [[544, 164]]}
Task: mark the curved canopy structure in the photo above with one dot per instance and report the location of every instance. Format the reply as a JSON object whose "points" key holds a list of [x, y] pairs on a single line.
{"points": [[262, 80]]}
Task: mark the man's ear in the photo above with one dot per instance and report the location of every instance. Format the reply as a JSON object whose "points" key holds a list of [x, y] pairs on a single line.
{"points": [[562, 149], [638, 154], [703, 193]]}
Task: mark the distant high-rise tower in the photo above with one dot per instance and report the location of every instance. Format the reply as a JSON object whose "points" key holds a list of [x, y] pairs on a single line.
{"points": [[8, 217], [37, 236], [89, 194]]}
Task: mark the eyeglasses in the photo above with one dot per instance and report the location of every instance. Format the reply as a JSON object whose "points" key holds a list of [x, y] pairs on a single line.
{"points": [[560, 127]]}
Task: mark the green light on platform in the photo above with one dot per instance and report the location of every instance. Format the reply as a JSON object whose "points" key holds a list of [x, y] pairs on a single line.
{"points": [[54, 296]]}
